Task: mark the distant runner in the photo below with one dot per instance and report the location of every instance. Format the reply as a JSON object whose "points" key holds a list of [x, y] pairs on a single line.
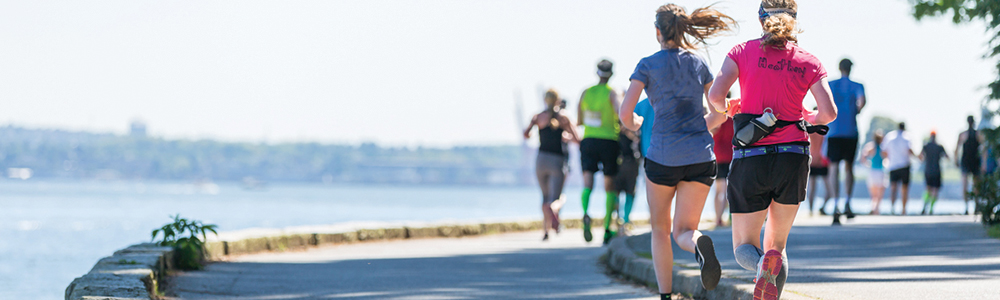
{"points": [[897, 149], [770, 169], [628, 172], [969, 161], [931, 154], [819, 168], [723, 137], [842, 141], [873, 155], [679, 162], [550, 166], [599, 149]]}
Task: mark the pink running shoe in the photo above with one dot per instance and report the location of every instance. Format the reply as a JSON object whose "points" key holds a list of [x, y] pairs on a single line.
{"points": [[766, 287]]}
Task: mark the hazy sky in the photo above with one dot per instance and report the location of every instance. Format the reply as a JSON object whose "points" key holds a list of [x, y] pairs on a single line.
{"points": [[434, 73]]}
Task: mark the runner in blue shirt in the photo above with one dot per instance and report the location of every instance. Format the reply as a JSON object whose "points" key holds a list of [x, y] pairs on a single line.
{"points": [[842, 140], [645, 110]]}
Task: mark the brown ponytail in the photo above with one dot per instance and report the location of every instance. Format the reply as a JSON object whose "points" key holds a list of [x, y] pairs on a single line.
{"points": [[779, 28], [676, 25]]}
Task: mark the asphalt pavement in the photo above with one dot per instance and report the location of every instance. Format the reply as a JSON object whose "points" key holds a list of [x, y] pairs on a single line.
{"points": [[870, 257], [508, 266]]}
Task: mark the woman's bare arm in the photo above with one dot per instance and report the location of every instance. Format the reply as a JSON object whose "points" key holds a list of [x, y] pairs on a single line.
{"points": [[627, 112], [826, 111], [961, 140], [567, 126], [527, 132], [714, 118]]}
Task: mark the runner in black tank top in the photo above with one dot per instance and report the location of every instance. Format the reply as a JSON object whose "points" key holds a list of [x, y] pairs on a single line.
{"points": [[970, 161], [551, 166]]}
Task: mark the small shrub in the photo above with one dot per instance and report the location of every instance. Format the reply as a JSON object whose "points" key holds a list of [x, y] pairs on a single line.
{"points": [[189, 251], [994, 231], [987, 191]]}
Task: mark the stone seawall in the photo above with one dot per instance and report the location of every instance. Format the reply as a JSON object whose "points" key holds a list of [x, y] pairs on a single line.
{"points": [[131, 273], [303, 238]]}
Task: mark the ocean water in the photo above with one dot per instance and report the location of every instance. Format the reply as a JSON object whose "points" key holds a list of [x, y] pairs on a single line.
{"points": [[53, 231]]}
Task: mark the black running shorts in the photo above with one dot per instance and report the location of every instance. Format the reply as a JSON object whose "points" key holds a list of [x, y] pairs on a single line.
{"points": [[933, 180], [971, 165], [628, 172], [755, 181], [900, 175], [723, 172], [819, 171], [838, 149], [599, 154], [671, 176]]}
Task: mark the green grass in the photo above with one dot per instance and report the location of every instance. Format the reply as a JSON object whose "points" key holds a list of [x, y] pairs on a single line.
{"points": [[646, 255], [994, 231]]}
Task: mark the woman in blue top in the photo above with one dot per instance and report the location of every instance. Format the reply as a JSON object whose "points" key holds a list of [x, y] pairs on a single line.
{"points": [[876, 177], [679, 161]]}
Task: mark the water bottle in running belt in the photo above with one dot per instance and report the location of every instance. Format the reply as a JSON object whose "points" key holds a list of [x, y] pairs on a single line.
{"points": [[762, 126]]}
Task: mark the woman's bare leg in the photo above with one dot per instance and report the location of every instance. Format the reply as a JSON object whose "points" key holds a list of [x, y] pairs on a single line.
{"points": [[876, 198], [691, 198], [779, 223], [746, 228], [660, 199], [720, 201]]}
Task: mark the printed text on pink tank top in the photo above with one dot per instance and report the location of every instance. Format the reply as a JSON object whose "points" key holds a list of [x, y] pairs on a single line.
{"points": [[781, 65]]}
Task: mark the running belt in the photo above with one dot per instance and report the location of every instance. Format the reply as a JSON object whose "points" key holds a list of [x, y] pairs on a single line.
{"points": [[771, 149]]}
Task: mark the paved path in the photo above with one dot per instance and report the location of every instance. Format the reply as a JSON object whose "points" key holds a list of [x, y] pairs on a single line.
{"points": [[491, 267], [881, 257]]}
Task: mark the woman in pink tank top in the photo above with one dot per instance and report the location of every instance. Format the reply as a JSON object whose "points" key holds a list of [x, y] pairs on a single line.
{"points": [[768, 177]]}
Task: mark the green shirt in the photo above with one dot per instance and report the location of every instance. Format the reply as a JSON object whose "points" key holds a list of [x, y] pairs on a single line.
{"points": [[599, 118]]}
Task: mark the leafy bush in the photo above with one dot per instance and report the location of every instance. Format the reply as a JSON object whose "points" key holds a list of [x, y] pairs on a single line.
{"points": [[987, 191], [189, 251]]}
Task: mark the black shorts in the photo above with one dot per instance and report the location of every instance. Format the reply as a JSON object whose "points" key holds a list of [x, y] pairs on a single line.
{"points": [[971, 165], [723, 171], [671, 176], [627, 174], [900, 175], [755, 181], [819, 171], [838, 149], [933, 180], [599, 151]]}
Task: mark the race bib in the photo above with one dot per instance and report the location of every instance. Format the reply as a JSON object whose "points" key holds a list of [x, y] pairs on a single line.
{"points": [[592, 118]]}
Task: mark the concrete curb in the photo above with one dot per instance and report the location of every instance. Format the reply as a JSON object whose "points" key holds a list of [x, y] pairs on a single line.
{"points": [[280, 242], [131, 273], [686, 279]]}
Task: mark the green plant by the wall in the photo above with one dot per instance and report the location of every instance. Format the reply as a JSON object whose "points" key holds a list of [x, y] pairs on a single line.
{"points": [[189, 250]]}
